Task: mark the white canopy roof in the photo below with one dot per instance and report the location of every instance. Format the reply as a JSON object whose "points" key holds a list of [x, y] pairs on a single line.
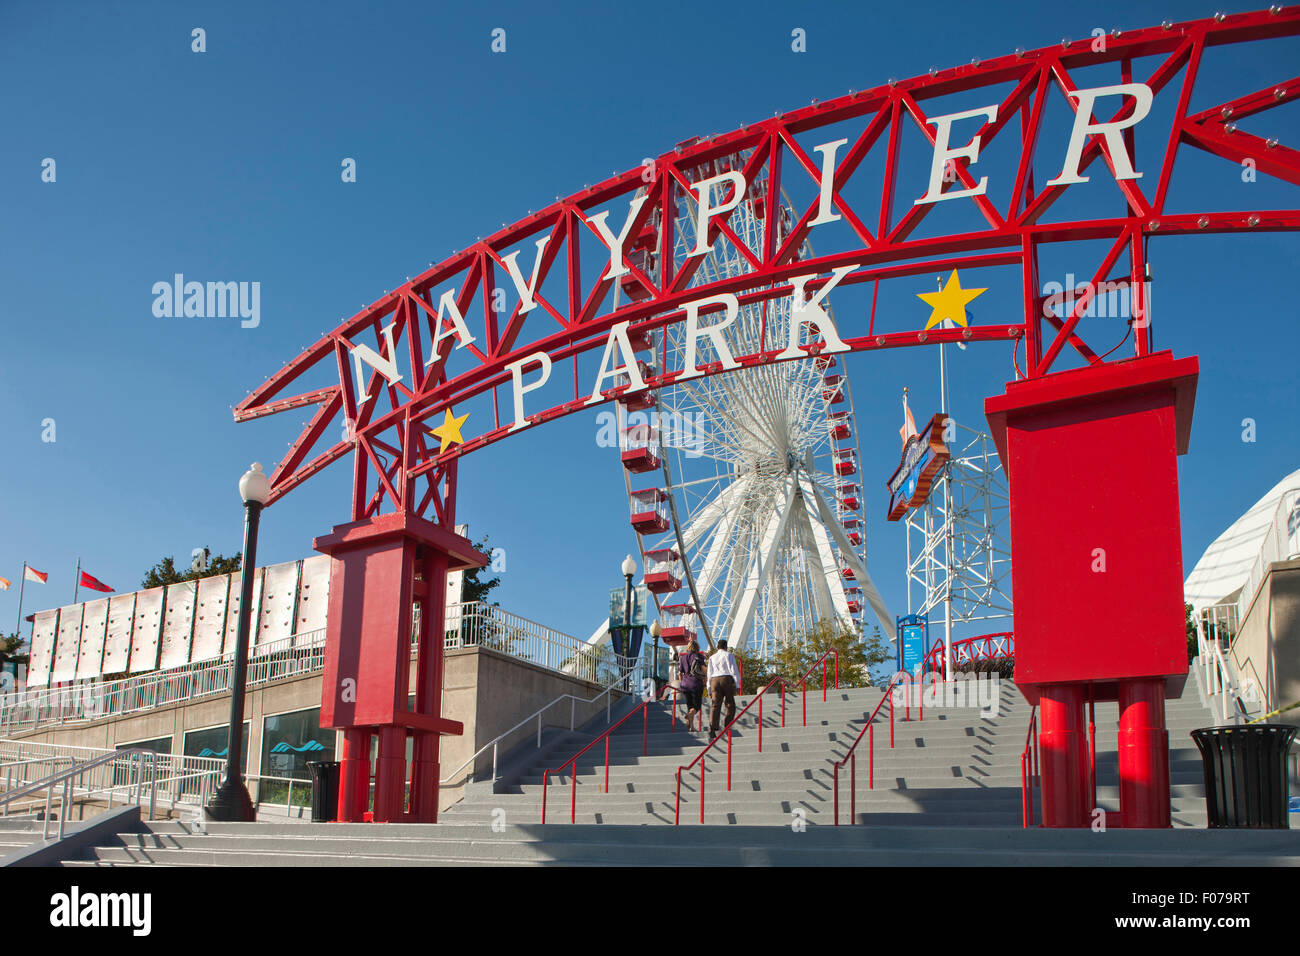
{"points": [[1227, 562]]}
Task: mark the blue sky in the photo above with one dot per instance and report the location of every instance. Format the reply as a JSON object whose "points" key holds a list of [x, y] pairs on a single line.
{"points": [[225, 166]]}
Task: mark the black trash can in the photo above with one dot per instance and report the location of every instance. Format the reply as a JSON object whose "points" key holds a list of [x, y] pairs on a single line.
{"points": [[1245, 775], [324, 790]]}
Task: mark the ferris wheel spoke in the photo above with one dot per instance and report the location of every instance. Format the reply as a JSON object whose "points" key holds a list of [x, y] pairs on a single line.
{"points": [[759, 569]]}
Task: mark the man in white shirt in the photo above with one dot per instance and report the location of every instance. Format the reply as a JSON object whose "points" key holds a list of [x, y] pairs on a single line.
{"points": [[724, 678]]}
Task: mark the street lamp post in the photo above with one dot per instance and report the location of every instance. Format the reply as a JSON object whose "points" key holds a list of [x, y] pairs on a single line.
{"points": [[231, 802], [655, 631], [629, 571]]}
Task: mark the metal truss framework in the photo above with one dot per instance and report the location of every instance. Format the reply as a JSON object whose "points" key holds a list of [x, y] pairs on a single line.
{"points": [[958, 555], [564, 313]]}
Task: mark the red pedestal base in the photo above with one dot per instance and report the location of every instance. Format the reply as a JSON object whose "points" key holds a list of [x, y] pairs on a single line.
{"points": [[1091, 463], [388, 579]]}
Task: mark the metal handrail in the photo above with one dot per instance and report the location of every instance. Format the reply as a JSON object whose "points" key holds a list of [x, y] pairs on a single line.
{"points": [[803, 680], [1029, 770], [537, 715], [136, 757], [758, 698], [1218, 677], [91, 700], [573, 805], [851, 755]]}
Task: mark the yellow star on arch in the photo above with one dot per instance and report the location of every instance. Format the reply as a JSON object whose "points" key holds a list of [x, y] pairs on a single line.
{"points": [[950, 303], [449, 431]]}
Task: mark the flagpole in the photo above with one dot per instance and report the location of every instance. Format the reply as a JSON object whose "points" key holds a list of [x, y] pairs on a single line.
{"points": [[22, 583], [77, 586]]}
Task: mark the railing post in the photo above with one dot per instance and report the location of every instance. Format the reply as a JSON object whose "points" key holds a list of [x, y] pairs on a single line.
{"points": [[760, 723], [573, 801], [645, 724], [701, 791], [677, 806], [890, 692], [803, 696], [1024, 793], [823, 678], [871, 756], [853, 789], [835, 772], [728, 758], [606, 763]]}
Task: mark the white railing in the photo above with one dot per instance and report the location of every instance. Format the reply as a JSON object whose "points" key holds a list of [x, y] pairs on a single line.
{"points": [[1218, 677], [1281, 543], [91, 700], [473, 624], [631, 681], [486, 625]]}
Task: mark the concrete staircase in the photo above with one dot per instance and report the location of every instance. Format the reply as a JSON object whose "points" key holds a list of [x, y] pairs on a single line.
{"points": [[360, 844], [18, 833], [948, 792], [766, 788]]}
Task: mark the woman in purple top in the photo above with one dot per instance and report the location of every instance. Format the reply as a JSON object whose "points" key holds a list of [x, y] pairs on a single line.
{"points": [[691, 666]]}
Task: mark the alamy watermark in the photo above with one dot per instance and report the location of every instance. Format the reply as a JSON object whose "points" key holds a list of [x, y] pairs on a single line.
{"points": [[1105, 299], [210, 300], [964, 690], [672, 429]]}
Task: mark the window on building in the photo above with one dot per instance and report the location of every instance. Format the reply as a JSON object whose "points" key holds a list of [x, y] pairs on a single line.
{"points": [[289, 742]]}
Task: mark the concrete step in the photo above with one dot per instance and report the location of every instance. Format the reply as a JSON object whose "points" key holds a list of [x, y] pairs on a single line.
{"points": [[782, 853]]}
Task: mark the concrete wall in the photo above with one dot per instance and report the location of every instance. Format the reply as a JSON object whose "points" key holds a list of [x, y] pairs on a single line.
{"points": [[491, 692], [1267, 645], [487, 690]]}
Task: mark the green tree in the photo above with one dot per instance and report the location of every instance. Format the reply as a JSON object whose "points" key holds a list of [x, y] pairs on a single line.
{"points": [[858, 654], [476, 587], [1191, 633], [165, 572], [11, 646]]}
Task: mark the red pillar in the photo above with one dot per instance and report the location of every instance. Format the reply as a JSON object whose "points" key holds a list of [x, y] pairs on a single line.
{"points": [[354, 776], [1143, 754], [1063, 755], [1096, 566], [390, 775], [383, 569]]}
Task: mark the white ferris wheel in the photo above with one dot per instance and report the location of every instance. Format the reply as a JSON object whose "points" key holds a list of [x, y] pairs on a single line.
{"points": [[743, 487]]}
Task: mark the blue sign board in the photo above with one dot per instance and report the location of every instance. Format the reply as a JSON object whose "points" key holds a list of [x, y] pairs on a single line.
{"points": [[913, 642]]}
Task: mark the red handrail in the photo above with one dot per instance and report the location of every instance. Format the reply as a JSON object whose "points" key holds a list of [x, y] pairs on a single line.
{"points": [[573, 804], [699, 713], [758, 699], [803, 689], [1029, 769], [851, 755]]}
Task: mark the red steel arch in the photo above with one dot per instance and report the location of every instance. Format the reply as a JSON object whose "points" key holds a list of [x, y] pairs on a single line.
{"points": [[486, 318]]}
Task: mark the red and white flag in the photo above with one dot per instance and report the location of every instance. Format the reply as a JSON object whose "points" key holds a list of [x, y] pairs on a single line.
{"points": [[93, 583], [909, 425], [4, 584], [31, 574]]}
